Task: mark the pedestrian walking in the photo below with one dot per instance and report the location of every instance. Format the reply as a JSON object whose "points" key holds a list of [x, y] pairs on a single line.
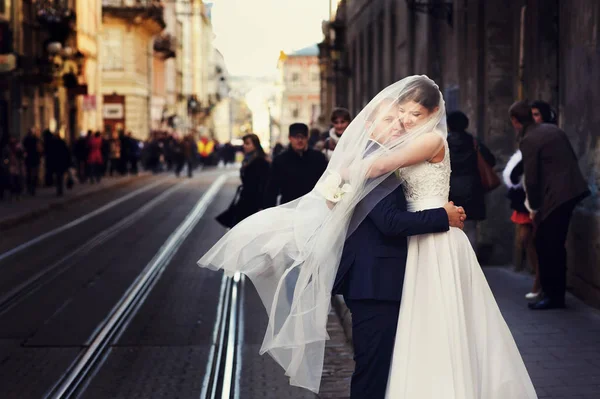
{"points": [[189, 152], [115, 154], [466, 188], [134, 153], [228, 154], [16, 168], [254, 174], [295, 171], [543, 112], [33, 148], [59, 162], [95, 159], [340, 119], [277, 149]]}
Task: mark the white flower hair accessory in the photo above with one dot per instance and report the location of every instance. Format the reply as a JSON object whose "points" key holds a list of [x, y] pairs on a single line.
{"points": [[332, 188]]}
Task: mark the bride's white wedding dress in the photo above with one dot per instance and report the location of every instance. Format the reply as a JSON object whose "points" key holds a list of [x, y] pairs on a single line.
{"points": [[452, 341]]}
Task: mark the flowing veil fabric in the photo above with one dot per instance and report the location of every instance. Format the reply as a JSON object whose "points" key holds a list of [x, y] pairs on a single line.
{"points": [[291, 252]]}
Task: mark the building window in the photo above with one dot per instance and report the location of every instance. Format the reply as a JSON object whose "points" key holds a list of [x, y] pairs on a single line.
{"points": [[112, 50], [295, 79], [315, 76], [2, 6], [295, 110]]}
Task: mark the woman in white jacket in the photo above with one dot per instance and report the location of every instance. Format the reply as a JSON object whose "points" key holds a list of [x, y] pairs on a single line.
{"points": [[340, 119]]}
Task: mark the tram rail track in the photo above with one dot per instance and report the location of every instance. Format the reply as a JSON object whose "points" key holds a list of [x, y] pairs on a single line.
{"points": [[90, 360], [24, 290], [223, 367], [19, 248]]}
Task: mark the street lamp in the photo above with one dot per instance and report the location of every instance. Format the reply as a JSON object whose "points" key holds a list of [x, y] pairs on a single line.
{"points": [[53, 48]]}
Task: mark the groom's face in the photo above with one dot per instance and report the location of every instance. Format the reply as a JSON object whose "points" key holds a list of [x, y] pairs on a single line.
{"points": [[386, 123]]}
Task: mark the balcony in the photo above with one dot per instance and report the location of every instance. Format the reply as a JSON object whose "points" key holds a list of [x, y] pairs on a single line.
{"points": [[166, 45], [149, 12], [57, 19]]}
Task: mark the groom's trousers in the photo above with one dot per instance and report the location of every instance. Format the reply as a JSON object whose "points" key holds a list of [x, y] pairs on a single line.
{"points": [[374, 325]]}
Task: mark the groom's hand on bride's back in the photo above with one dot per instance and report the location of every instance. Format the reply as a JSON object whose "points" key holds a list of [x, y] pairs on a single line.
{"points": [[456, 215]]}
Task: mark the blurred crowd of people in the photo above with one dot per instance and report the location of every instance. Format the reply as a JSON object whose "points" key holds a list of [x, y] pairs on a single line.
{"points": [[92, 156], [44, 158]]}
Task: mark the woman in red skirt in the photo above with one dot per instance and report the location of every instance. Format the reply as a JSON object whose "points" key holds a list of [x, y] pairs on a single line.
{"points": [[524, 244]]}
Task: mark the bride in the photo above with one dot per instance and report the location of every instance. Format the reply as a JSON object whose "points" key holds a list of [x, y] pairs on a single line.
{"points": [[451, 340]]}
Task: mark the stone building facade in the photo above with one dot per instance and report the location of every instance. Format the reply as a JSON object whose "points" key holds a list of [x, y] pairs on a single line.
{"points": [[485, 56], [300, 81], [48, 65], [128, 32]]}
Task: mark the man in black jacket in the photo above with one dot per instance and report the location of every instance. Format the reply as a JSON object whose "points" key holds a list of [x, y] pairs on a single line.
{"points": [[58, 161], [32, 146], [554, 185], [295, 171]]}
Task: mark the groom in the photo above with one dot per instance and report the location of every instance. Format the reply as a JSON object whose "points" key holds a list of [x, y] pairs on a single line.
{"points": [[370, 278]]}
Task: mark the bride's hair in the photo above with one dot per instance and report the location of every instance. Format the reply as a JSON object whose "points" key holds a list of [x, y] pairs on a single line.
{"points": [[423, 91]]}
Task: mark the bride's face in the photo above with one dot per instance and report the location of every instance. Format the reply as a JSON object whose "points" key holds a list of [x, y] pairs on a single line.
{"points": [[413, 114]]}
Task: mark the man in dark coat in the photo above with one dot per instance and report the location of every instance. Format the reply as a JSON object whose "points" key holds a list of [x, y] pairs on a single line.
{"points": [[295, 171], [189, 150], [465, 182], [59, 161], [32, 147], [370, 278], [554, 185]]}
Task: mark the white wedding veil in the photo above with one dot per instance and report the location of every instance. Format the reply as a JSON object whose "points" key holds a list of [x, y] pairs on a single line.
{"points": [[291, 252]]}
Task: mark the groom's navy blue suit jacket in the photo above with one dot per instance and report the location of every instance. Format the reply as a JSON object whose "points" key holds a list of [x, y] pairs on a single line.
{"points": [[374, 257]]}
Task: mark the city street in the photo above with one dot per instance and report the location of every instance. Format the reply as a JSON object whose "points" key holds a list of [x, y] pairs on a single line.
{"points": [[111, 304]]}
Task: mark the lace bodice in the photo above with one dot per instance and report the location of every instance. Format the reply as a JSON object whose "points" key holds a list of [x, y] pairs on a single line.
{"points": [[427, 185]]}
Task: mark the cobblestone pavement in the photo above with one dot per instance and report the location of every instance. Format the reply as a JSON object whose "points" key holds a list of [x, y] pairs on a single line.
{"points": [[561, 348], [262, 378], [339, 365]]}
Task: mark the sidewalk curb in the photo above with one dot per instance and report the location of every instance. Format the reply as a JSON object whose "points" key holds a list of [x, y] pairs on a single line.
{"points": [[10, 222], [343, 313]]}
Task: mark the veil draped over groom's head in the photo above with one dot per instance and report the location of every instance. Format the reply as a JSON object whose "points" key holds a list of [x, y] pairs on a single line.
{"points": [[291, 253]]}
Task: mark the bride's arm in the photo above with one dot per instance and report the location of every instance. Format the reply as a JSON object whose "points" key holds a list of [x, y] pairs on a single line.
{"points": [[421, 149]]}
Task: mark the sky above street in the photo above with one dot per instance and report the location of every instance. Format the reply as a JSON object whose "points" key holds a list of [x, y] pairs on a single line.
{"points": [[250, 33]]}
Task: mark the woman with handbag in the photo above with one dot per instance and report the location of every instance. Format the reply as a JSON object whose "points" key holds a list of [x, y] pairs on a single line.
{"points": [[469, 181], [254, 175]]}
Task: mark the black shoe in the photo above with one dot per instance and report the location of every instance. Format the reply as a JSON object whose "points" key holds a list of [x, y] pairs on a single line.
{"points": [[546, 304]]}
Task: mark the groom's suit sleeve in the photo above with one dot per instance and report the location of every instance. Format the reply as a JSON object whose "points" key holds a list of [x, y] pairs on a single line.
{"points": [[392, 221]]}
